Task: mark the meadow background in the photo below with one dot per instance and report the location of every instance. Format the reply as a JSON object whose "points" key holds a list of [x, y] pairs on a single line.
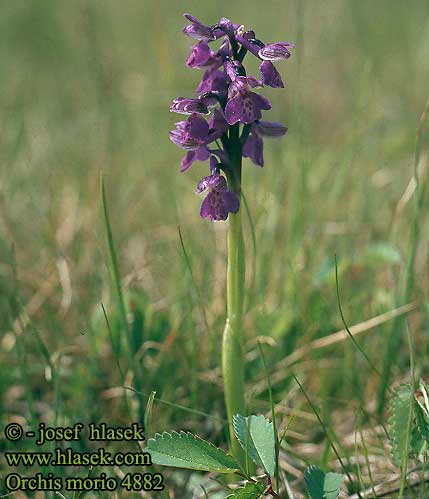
{"points": [[85, 88]]}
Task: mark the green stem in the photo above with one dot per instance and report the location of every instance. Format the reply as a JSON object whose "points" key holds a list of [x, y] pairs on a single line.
{"points": [[232, 355]]}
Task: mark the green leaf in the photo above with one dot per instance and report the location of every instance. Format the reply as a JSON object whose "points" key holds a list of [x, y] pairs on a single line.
{"points": [[321, 485], [184, 450], [256, 436], [252, 490], [399, 410]]}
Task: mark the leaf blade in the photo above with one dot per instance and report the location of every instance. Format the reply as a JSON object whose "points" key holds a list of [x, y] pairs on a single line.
{"points": [[256, 436], [321, 485], [185, 450]]}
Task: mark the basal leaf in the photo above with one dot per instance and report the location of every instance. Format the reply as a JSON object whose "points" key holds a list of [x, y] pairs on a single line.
{"points": [[321, 485], [399, 409], [252, 490], [184, 450], [256, 436]]}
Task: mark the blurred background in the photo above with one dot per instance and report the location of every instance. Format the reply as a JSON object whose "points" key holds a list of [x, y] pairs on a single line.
{"points": [[85, 89]]}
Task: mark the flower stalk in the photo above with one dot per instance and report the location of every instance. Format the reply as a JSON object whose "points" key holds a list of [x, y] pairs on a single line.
{"points": [[235, 130], [232, 352]]}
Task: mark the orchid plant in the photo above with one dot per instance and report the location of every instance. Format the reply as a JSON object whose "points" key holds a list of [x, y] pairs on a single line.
{"points": [[234, 130]]}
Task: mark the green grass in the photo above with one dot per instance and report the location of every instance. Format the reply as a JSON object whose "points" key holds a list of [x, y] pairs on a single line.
{"points": [[85, 89]]}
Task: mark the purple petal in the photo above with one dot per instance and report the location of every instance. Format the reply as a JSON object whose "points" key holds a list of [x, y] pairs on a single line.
{"points": [[230, 69], [270, 75], [253, 82], [197, 29], [213, 81], [254, 148], [205, 210], [199, 56], [197, 127], [192, 19], [259, 101], [218, 122], [187, 161], [200, 154], [233, 110]]}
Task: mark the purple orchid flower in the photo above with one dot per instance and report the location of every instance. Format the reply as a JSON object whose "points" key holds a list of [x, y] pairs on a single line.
{"points": [[220, 201], [243, 105], [226, 92], [195, 134]]}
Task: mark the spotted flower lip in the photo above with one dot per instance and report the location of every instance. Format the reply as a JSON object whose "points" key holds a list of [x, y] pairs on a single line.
{"points": [[276, 51], [243, 105], [188, 106], [220, 201]]}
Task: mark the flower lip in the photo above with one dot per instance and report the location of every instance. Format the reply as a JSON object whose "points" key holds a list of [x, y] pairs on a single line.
{"points": [[219, 202]]}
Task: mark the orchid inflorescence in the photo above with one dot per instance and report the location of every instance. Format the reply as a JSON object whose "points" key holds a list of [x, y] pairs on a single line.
{"points": [[225, 93]]}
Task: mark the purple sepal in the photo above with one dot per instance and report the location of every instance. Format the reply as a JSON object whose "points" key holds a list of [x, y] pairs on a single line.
{"points": [[200, 55], [254, 148], [213, 81], [188, 106], [270, 128], [202, 153], [197, 29], [270, 75], [276, 51]]}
